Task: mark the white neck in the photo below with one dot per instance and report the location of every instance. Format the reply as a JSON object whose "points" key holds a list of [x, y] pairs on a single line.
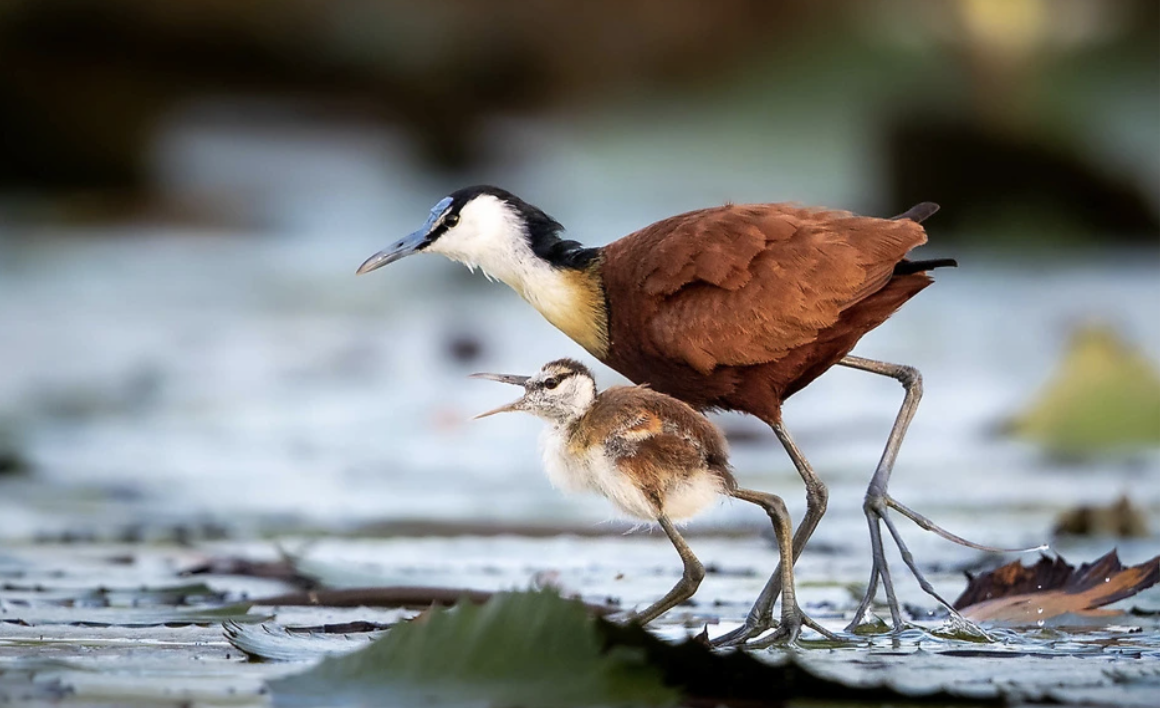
{"points": [[490, 236]]}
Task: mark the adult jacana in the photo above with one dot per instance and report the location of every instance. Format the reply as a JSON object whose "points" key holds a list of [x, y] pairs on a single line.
{"points": [[734, 307], [652, 456]]}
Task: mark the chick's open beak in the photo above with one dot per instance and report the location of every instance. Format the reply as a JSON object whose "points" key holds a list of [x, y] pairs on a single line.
{"points": [[503, 378], [516, 405]]}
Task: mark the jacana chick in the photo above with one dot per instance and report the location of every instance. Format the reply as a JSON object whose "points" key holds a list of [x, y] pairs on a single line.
{"points": [[652, 456], [735, 307]]}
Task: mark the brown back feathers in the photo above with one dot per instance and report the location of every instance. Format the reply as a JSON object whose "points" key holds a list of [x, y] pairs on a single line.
{"points": [[705, 302]]}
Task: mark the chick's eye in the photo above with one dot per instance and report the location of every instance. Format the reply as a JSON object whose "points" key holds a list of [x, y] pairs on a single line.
{"points": [[451, 220], [551, 383]]}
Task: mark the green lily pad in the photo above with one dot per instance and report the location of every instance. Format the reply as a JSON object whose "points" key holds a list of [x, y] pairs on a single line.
{"points": [[1105, 395], [518, 649]]}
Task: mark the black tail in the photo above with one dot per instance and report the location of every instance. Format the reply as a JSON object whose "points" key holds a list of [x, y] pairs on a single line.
{"points": [[918, 213], [908, 267]]}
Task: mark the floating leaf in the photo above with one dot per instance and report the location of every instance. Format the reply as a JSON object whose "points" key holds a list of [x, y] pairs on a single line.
{"points": [[1104, 395], [538, 650], [128, 617], [273, 643], [1017, 595], [282, 569], [396, 596], [392, 596], [165, 596], [518, 649]]}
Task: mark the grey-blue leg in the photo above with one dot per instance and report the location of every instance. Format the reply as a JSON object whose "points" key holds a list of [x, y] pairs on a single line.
{"points": [[689, 582]]}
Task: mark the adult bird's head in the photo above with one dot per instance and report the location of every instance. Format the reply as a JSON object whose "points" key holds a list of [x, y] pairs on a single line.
{"points": [[560, 392], [489, 228], [510, 240]]}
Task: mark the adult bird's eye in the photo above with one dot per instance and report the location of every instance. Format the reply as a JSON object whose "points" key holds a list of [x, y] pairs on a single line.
{"points": [[451, 220], [551, 383]]}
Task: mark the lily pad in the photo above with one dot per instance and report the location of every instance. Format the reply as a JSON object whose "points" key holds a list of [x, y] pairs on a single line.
{"points": [[1104, 395], [273, 643], [517, 649], [538, 649], [128, 617], [79, 596]]}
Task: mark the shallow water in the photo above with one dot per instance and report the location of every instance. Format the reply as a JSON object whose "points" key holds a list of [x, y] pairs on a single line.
{"points": [[116, 649]]}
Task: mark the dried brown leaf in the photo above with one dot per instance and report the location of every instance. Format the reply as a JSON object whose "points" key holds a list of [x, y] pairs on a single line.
{"points": [[1015, 594]]}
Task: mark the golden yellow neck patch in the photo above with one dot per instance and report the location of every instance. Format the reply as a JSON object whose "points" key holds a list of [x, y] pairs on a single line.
{"points": [[573, 301]]}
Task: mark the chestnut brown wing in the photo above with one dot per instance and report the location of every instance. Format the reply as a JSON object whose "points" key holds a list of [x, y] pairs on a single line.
{"points": [[743, 285], [655, 438]]}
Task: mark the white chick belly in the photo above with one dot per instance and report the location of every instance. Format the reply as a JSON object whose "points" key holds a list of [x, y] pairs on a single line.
{"points": [[692, 496], [593, 471]]}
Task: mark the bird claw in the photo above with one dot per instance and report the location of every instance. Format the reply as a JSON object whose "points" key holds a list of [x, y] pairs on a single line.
{"points": [[876, 506], [783, 635], [876, 625], [788, 631], [744, 633]]}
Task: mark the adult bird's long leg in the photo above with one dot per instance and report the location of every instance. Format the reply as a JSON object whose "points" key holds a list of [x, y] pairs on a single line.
{"points": [[878, 499], [792, 618], [880, 570], [760, 617], [686, 586], [875, 502], [871, 587]]}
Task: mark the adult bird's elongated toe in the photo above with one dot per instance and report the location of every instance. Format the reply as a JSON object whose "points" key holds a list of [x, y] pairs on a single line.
{"points": [[735, 307]]}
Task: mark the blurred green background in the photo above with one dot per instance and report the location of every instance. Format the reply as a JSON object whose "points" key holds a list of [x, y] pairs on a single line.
{"points": [[1034, 119], [187, 187]]}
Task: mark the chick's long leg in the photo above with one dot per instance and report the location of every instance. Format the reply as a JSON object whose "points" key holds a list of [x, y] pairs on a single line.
{"points": [[760, 617], [792, 618], [689, 582]]}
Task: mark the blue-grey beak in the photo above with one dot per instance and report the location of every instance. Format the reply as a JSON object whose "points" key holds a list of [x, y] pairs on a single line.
{"points": [[401, 249], [411, 243]]}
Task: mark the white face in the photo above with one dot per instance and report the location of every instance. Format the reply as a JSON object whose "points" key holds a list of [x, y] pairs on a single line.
{"points": [[488, 235], [559, 393], [557, 398], [491, 233]]}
